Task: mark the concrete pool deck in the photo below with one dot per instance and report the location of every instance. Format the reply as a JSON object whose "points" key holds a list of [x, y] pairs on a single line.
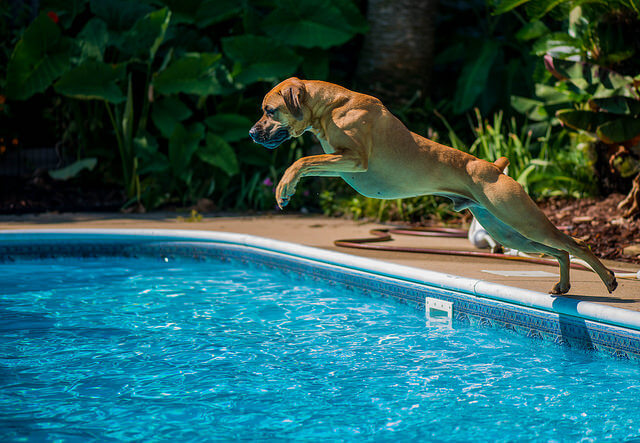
{"points": [[321, 232]]}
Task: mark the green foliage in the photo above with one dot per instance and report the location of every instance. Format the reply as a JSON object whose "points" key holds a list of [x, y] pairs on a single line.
{"points": [[93, 80], [473, 79], [179, 82], [542, 163], [41, 56], [536, 9], [260, 58], [337, 202], [193, 73], [313, 23], [591, 79], [73, 169], [480, 59]]}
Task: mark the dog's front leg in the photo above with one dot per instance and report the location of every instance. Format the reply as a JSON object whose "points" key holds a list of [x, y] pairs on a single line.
{"points": [[325, 165]]}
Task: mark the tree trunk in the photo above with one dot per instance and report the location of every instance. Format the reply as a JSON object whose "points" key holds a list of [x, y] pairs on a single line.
{"points": [[396, 58]]}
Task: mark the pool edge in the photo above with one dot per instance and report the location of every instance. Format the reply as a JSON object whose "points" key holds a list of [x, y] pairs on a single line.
{"points": [[479, 288]]}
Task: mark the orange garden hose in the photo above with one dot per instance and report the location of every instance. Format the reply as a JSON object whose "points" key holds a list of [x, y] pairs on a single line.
{"points": [[384, 235]]}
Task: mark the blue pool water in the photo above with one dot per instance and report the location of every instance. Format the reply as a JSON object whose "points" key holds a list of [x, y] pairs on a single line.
{"points": [[122, 349]]}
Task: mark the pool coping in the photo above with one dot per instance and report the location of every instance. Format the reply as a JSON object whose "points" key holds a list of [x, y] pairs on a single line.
{"points": [[481, 291]]}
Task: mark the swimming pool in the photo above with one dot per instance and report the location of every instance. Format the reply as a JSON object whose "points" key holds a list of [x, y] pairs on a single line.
{"points": [[131, 334], [116, 348]]}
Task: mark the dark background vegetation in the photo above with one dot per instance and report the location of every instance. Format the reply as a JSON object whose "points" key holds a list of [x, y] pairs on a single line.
{"points": [[145, 105]]}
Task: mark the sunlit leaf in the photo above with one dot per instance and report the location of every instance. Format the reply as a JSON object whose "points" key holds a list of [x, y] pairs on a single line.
{"points": [[73, 169]]}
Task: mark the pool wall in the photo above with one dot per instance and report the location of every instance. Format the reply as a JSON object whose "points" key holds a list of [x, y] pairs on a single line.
{"points": [[538, 315]]}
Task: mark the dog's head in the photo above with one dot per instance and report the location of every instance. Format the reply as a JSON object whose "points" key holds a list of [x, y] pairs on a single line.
{"points": [[283, 114]]}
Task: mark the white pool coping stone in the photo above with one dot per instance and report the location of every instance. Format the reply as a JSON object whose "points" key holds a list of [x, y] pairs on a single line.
{"points": [[479, 288]]}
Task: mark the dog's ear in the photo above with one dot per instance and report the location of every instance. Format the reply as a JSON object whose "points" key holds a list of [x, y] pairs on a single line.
{"points": [[294, 96]]}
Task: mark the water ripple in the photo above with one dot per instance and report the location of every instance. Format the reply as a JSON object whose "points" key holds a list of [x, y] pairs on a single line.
{"points": [[130, 349]]}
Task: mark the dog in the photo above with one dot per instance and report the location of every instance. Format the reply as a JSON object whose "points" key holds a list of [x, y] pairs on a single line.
{"points": [[379, 157]]}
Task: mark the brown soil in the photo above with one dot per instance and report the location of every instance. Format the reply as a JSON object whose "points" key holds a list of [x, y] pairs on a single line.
{"points": [[598, 222]]}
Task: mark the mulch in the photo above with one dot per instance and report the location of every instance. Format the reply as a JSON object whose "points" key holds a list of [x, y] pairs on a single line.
{"points": [[598, 222]]}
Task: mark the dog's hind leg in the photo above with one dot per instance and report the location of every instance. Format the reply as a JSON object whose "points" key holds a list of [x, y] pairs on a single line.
{"points": [[511, 238], [508, 202]]}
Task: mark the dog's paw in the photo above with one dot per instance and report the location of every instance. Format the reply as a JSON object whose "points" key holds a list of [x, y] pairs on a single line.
{"points": [[613, 284], [560, 289], [285, 190]]}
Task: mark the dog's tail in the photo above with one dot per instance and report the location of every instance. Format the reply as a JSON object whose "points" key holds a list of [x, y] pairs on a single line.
{"points": [[501, 163]]}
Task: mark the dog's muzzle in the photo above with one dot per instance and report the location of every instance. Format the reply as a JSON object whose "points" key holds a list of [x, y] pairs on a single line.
{"points": [[272, 142]]}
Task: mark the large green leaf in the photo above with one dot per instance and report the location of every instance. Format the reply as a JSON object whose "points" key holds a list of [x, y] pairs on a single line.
{"points": [[473, 79], [184, 11], [620, 130], [507, 5], [150, 160], [551, 95], [93, 39], [533, 109], [312, 23], [230, 127], [260, 58], [120, 15], [352, 15], [203, 13], [167, 113], [536, 9], [618, 105], [598, 81], [193, 73], [213, 11], [182, 145], [93, 80], [146, 36], [73, 169], [532, 30], [217, 152], [558, 45], [40, 56], [584, 120]]}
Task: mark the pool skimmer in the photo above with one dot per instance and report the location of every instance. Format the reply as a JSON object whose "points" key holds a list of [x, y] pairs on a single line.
{"points": [[438, 310]]}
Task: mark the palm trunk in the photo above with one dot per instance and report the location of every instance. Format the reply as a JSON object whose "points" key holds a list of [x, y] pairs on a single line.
{"points": [[395, 61]]}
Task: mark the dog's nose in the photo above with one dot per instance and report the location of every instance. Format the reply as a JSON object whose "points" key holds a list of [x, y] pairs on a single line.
{"points": [[253, 132]]}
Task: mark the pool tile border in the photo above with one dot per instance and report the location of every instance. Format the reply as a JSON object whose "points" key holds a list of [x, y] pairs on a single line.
{"points": [[563, 329]]}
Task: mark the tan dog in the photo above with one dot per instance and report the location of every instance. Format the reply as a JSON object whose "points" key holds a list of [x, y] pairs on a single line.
{"points": [[379, 157]]}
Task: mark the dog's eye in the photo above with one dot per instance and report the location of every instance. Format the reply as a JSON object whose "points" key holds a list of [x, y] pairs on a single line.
{"points": [[270, 112]]}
